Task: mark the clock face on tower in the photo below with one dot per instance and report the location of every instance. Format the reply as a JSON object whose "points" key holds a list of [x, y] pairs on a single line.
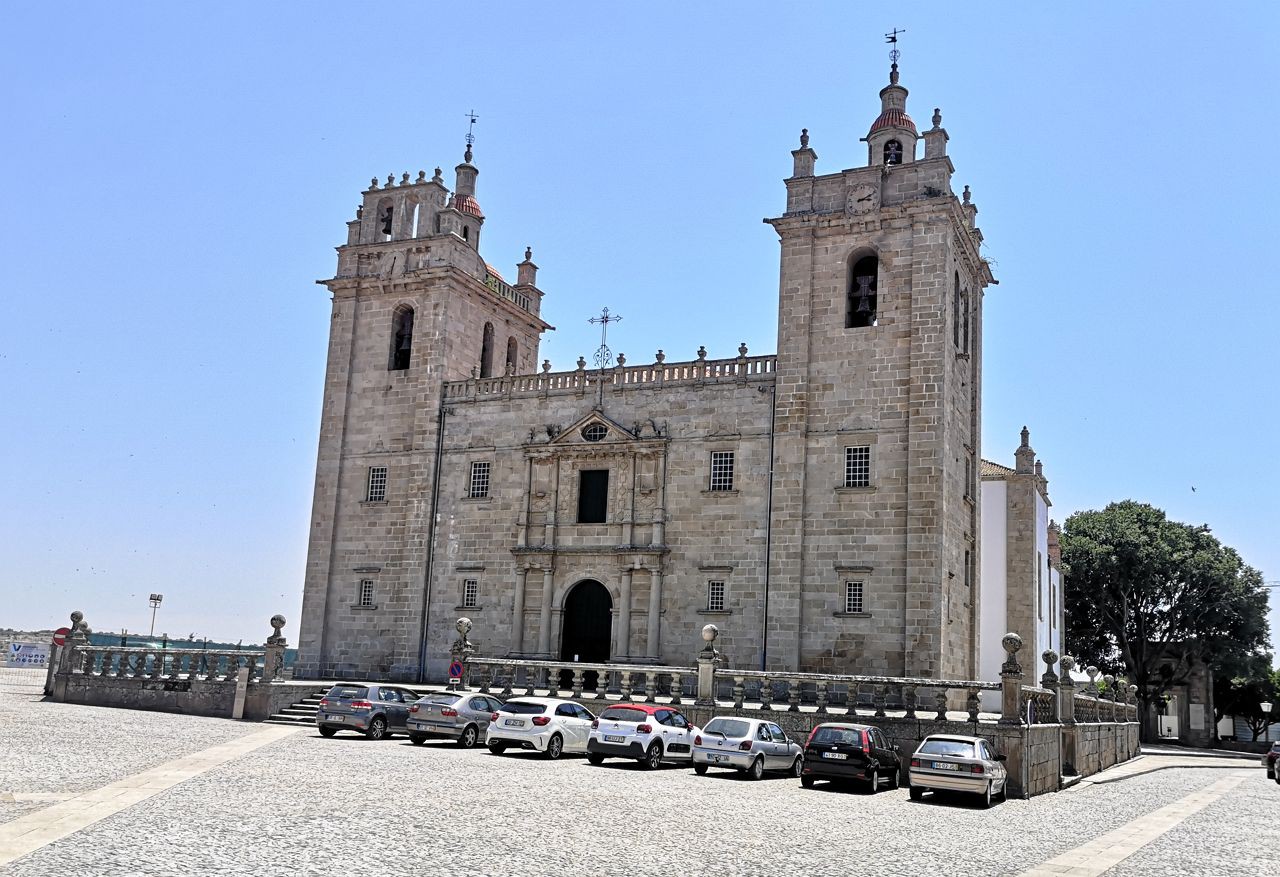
{"points": [[863, 198]]}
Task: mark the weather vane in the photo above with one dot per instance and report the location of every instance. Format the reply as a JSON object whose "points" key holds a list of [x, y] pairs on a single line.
{"points": [[471, 137], [604, 356], [892, 39]]}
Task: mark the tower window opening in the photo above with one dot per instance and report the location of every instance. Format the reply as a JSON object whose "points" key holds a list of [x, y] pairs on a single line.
{"points": [[862, 303], [955, 312], [513, 351], [385, 214], [966, 317], [893, 152], [593, 496], [401, 339], [486, 352], [466, 232]]}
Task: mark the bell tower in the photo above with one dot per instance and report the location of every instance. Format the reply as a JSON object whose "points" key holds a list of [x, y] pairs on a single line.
{"points": [[874, 520], [414, 305]]}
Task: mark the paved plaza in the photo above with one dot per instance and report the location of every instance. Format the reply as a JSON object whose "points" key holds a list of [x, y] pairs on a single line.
{"points": [[109, 793]]}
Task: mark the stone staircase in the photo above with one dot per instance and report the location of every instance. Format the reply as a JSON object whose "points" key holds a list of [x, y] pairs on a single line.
{"points": [[301, 713]]}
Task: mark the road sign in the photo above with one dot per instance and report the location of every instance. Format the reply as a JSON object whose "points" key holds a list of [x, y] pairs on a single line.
{"points": [[455, 670], [60, 636]]}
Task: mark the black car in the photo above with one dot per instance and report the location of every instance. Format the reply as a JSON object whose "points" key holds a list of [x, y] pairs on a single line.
{"points": [[1269, 761], [838, 751]]}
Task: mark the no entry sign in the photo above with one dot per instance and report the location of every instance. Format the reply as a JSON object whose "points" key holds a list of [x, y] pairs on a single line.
{"points": [[60, 636]]}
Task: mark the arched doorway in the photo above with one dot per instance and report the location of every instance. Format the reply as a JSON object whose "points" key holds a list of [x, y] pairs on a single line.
{"points": [[588, 628]]}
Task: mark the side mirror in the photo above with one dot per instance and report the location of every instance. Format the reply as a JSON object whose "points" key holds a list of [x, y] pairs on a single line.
{"points": [[895, 747]]}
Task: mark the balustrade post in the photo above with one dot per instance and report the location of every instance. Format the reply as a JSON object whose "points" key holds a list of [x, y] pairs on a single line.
{"points": [[273, 658], [940, 701], [822, 697], [602, 684], [509, 678], [877, 701], [738, 692], [1049, 680], [1131, 714], [577, 682], [707, 660], [766, 694], [1011, 681], [909, 701], [69, 657], [1067, 714], [974, 704], [624, 686], [793, 695], [1109, 695], [650, 687], [677, 683], [139, 669]]}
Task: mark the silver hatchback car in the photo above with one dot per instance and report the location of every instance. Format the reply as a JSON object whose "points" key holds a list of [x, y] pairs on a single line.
{"points": [[462, 716], [953, 763], [751, 746]]}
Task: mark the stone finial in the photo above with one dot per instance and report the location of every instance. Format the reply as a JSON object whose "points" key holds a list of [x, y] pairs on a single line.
{"points": [[359, 211], [702, 352], [76, 617], [1068, 664], [404, 179], [709, 650], [1092, 673], [422, 178], [1133, 694], [466, 156], [277, 623], [1039, 469], [373, 183], [937, 117], [1111, 684], [804, 138], [1050, 678], [1026, 437], [463, 626], [709, 633], [511, 369], [660, 357], [966, 196], [582, 363], [1011, 643], [462, 647], [546, 365], [391, 180], [742, 349], [622, 360], [528, 254], [437, 177]]}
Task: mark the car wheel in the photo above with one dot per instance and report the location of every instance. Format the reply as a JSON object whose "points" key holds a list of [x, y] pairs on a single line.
{"points": [[756, 771], [915, 792], [893, 779], [555, 748], [417, 739], [470, 734], [986, 796], [327, 732], [700, 769], [873, 780], [595, 758], [807, 782], [797, 767], [377, 728], [652, 757], [497, 748]]}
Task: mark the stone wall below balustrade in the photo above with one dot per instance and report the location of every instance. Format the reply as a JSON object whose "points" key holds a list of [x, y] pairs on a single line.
{"points": [[196, 697]]}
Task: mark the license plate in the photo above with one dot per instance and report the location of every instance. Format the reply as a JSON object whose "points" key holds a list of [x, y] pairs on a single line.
{"points": [[416, 724], [840, 756], [516, 722], [337, 718], [716, 759], [612, 738], [945, 765]]}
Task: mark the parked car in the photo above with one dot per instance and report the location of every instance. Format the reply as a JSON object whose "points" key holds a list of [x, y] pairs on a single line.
{"points": [[374, 710], [647, 732], [543, 724], [748, 745], [1269, 761], [841, 751], [459, 715], [960, 764]]}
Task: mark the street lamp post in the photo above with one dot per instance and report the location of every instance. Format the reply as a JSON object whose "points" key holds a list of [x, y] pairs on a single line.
{"points": [[155, 600], [1266, 720]]}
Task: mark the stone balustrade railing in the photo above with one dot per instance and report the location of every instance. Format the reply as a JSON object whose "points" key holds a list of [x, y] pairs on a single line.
{"points": [[1039, 706], [147, 663], [700, 371], [875, 694], [635, 682]]}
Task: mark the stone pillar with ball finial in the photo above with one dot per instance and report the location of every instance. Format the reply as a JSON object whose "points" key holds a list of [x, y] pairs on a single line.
{"points": [[460, 652], [708, 658], [273, 660], [1011, 681]]}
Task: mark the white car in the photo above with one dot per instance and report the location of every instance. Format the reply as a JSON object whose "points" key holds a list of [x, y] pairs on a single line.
{"points": [[543, 724], [647, 732]]}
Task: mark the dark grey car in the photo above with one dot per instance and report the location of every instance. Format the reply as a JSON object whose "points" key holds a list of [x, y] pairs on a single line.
{"points": [[461, 716], [373, 710]]}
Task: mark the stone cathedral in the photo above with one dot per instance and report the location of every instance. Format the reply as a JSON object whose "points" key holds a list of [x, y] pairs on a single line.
{"points": [[819, 505]]}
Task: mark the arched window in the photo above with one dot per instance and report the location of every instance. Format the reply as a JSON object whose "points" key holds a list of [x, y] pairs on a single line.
{"points": [[486, 352], [513, 351], [401, 338], [893, 152], [386, 214], [466, 232], [862, 303], [955, 312]]}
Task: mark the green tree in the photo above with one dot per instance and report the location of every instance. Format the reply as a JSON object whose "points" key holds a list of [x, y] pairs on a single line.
{"points": [[1243, 696], [1149, 597]]}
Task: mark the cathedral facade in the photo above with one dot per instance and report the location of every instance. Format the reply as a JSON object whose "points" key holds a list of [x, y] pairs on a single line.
{"points": [[818, 504]]}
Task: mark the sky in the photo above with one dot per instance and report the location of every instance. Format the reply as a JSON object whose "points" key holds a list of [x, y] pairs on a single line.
{"points": [[176, 176]]}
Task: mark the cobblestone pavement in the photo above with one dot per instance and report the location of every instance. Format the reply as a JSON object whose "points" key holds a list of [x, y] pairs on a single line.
{"points": [[306, 805], [57, 747]]}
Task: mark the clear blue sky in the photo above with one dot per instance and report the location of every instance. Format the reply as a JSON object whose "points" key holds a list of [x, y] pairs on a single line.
{"points": [[175, 177]]}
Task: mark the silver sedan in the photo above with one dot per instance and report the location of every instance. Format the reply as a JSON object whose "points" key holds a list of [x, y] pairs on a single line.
{"points": [[748, 745], [954, 763], [461, 716]]}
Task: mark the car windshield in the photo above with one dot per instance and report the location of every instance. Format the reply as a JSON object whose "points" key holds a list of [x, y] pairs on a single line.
{"points": [[957, 748], [624, 714], [847, 736], [442, 697], [348, 692], [728, 727], [523, 708]]}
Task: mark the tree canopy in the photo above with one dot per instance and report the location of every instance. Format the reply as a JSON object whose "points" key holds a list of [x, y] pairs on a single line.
{"points": [[1148, 597]]}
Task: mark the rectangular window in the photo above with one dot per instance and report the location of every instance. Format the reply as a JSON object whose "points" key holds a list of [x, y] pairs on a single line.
{"points": [[968, 475], [715, 596], [968, 569], [479, 480], [853, 597], [470, 593], [366, 594], [377, 491], [722, 470], [1053, 607], [1040, 584], [593, 495], [857, 466]]}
